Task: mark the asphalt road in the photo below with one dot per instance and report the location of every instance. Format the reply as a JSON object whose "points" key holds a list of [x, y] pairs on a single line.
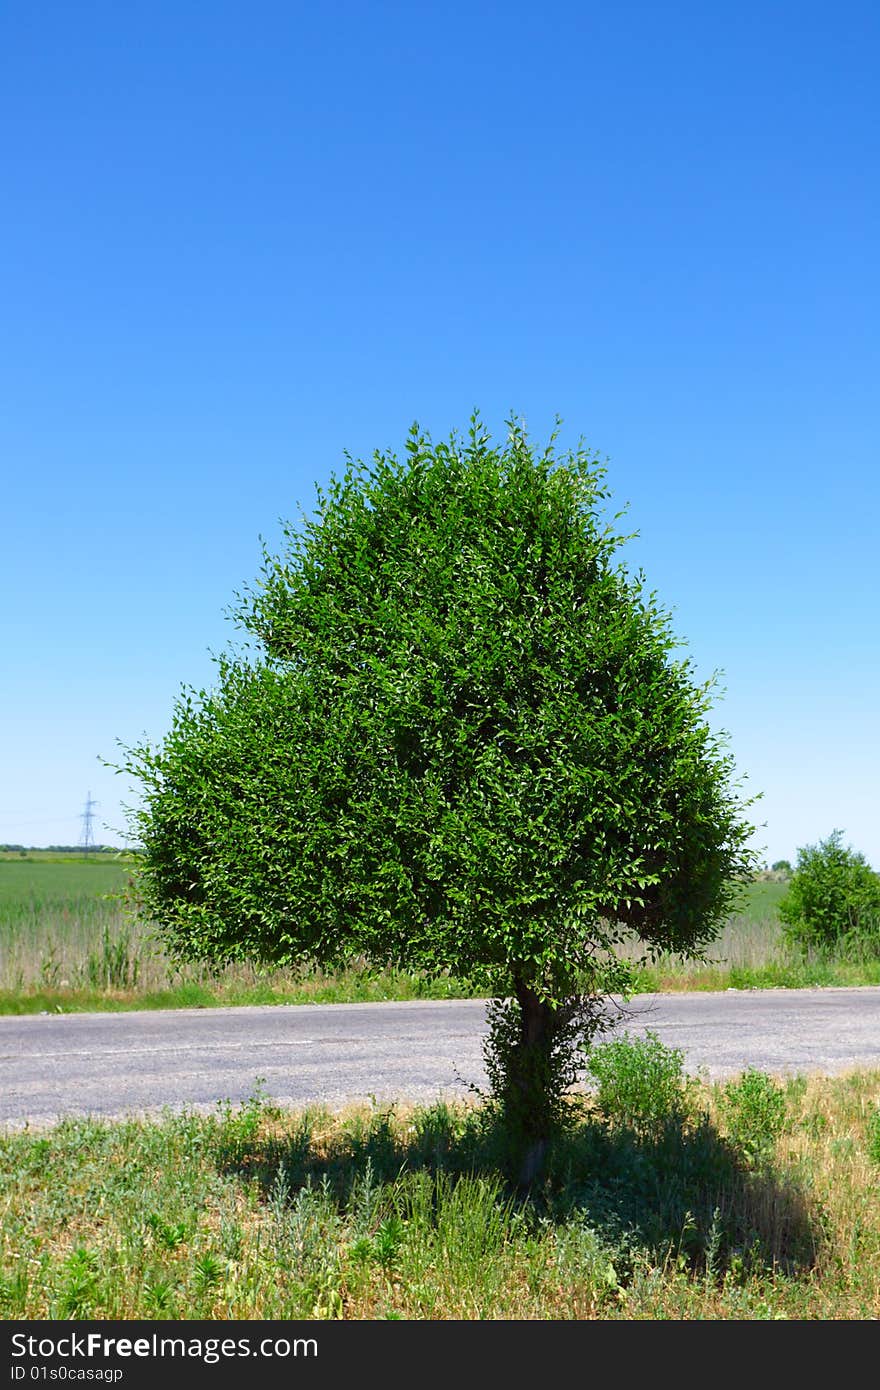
{"points": [[113, 1064]]}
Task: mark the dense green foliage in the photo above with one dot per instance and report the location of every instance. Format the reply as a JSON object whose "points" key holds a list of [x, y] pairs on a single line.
{"points": [[753, 1106], [464, 744], [833, 899], [640, 1083]]}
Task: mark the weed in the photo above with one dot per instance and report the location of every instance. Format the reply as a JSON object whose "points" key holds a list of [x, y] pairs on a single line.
{"points": [[50, 966], [387, 1242], [208, 1271], [169, 1234], [159, 1296], [116, 965], [239, 1127], [78, 1289], [753, 1107], [640, 1084]]}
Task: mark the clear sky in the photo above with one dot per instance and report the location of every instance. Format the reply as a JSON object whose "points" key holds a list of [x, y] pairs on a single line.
{"points": [[240, 239]]}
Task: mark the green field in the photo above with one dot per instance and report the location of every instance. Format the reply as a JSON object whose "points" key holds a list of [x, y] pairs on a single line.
{"points": [[69, 940], [58, 883]]}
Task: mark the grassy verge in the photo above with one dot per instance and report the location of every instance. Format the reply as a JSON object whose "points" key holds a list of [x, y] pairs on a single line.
{"points": [[374, 987], [791, 973], [239, 987], [755, 1200]]}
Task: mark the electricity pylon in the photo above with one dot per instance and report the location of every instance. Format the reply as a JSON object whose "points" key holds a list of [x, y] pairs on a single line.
{"points": [[88, 840]]}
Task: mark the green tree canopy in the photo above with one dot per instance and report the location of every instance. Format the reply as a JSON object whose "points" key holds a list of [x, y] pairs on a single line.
{"points": [[465, 742]]}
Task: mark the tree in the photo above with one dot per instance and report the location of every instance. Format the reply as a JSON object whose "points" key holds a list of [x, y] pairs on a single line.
{"points": [[833, 899], [464, 744]]}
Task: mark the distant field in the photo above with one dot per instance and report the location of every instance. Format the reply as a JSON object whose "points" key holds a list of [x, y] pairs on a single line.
{"points": [[68, 941], [59, 881], [764, 895]]}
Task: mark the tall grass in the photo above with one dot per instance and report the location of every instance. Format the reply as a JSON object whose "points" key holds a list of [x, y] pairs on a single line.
{"points": [[61, 925], [68, 940]]}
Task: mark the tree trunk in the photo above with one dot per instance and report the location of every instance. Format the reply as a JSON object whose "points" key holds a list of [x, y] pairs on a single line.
{"points": [[530, 1077]]}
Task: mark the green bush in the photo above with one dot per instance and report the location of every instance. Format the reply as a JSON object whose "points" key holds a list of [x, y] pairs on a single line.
{"points": [[641, 1084], [833, 899], [753, 1108]]}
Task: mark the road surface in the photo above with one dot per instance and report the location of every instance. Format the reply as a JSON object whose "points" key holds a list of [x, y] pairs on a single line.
{"points": [[113, 1064]]}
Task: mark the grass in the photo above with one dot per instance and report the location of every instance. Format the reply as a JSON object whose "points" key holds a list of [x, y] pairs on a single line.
{"points": [[68, 942], [755, 1200]]}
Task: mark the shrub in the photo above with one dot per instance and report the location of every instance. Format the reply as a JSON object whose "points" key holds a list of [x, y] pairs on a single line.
{"points": [[833, 899], [641, 1084], [753, 1108]]}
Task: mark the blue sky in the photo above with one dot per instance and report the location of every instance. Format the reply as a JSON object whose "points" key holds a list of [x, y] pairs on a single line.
{"points": [[239, 240]]}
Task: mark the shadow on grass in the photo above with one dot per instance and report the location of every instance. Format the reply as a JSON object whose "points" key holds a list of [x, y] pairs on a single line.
{"points": [[682, 1194]]}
